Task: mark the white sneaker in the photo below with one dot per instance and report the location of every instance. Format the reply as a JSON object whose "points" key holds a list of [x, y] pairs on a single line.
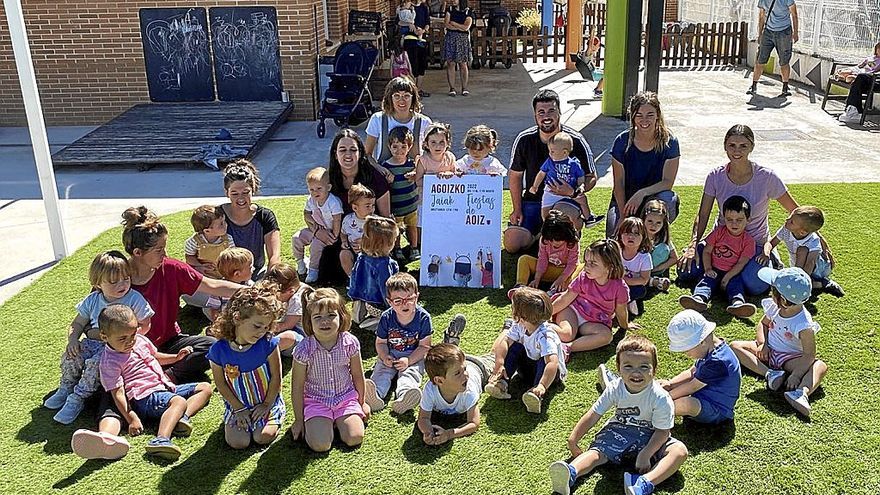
{"points": [[774, 379], [799, 401], [532, 402], [606, 378], [850, 115], [312, 277], [371, 396], [409, 400]]}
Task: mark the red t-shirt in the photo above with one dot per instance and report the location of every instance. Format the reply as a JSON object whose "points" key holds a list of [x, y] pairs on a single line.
{"points": [[171, 280], [728, 249]]}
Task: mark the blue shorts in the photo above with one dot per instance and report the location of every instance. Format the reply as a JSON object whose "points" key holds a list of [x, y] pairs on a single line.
{"points": [[155, 404], [531, 211], [619, 442], [710, 413]]}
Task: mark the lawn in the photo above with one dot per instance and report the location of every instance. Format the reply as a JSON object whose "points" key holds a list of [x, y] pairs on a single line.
{"points": [[770, 450]]}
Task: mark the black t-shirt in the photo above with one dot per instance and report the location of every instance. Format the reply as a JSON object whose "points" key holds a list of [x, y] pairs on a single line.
{"points": [[377, 184], [529, 153], [251, 235]]}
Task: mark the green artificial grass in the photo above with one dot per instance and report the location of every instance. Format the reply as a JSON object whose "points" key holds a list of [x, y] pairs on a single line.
{"points": [[770, 451]]}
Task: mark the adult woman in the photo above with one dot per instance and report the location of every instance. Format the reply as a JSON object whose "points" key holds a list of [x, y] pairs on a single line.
{"points": [[400, 107], [251, 226], [644, 163], [759, 186], [457, 45]]}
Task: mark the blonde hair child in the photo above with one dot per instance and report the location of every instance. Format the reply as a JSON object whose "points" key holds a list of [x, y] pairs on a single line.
{"points": [[372, 269], [208, 241], [480, 142], [323, 217], [363, 204]]}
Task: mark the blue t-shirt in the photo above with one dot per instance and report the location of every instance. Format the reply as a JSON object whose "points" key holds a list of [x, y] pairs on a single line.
{"points": [[641, 169], [720, 371], [568, 171], [91, 306], [403, 339], [222, 354], [780, 18]]}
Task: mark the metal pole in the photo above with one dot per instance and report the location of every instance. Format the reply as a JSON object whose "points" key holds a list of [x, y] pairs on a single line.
{"points": [[36, 125], [817, 24]]}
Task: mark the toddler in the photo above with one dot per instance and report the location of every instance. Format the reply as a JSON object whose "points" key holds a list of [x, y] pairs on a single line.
{"points": [[404, 198], [663, 255], [480, 142], [290, 291], [323, 217], [208, 241], [635, 247], [640, 427], [403, 337], [801, 236], [558, 254], [406, 17], [435, 159], [558, 168], [234, 264], [584, 312], [131, 371], [363, 204], [371, 271], [110, 277], [708, 390], [530, 347], [328, 375], [728, 249], [785, 340], [246, 366]]}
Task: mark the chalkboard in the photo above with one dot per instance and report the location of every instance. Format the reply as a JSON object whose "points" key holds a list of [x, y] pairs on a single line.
{"points": [[247, 59], [176, 54]]}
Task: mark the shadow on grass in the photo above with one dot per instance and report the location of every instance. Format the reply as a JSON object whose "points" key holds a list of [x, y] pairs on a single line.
{"points": [[611, 480], [775, 402], [207, 466], [510, 416], [280, 464], [415, 450], [438, 300], [43, 429], [83, 471], [702, 437]]}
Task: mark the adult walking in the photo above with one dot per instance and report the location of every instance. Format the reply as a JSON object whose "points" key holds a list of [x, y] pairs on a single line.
{"points": [[401, 106], [644, 163], [528, 154], [457, 45], [777, 29], [757, 184], [417, 48]]}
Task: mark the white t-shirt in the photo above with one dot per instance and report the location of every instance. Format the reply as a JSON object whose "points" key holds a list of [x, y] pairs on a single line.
{"points": [[650, 408], [784, 332], [353, 227], [432, 400], [294, 305], [191, 246], [541, 343], [641, 262], [323, 214], [487, 166], [374, 129], [811, 242]]}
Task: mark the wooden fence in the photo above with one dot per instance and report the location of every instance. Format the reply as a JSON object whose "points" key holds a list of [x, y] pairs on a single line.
{"points": [[517, 45]]}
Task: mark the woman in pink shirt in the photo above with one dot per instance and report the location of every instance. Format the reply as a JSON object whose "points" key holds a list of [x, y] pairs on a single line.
{"points": [[558, 255]]}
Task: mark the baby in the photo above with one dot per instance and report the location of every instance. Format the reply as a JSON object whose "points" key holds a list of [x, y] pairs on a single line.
{"points": [[558, 168], [323, 217], [210, 239]]}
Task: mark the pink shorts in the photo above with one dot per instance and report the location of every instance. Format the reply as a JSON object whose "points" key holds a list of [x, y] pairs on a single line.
{"points": [[778, 359], [347, 405]]}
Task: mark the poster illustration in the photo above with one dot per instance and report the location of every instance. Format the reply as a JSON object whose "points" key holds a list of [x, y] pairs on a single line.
{"points": [[461, 232]]}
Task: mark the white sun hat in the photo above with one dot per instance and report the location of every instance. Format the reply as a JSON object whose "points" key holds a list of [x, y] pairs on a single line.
{"points": [[687, 329]]}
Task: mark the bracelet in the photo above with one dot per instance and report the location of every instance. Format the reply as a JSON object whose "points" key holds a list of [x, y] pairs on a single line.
{"points": [[239, 410]]}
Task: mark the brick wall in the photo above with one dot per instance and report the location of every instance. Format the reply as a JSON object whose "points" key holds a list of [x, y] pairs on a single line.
{"points": [[89, 62]]}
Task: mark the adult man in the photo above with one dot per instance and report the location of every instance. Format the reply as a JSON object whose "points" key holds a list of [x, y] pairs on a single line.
{"points": [[777, 28], [529, 153]]}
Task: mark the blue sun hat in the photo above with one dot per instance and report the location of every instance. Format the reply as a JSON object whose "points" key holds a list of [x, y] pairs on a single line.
{"points": [[792, 283]]}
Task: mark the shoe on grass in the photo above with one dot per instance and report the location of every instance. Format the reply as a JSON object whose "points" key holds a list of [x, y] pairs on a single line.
{"points": [[605, 377], [799, 401], [497, 389], [452, 335], [406, 402], [593, 220], [831, 287], [371, 396], [184, 427], [640, 486], [312, 277], [163, 448], [562, 477], [398, 255], [741, 309], [56, 400], [301, 268], [695, 303], [774, 379], [90, 444], [532, 402], [71, 409]]}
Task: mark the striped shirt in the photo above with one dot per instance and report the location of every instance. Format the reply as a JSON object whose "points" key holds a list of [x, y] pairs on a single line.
{"points": [[404, 197], [328, 372]]}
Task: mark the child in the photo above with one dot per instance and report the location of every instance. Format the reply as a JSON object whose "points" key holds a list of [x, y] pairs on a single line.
{"points": [[363, 204], [529, 347], [868, 66], [708, 390], [328, 375], [635, 247], [246, 366], [558, 168], [728, 249], [208, 241], [639, 428], [785, 340], [131, 371], [290, 291], [234, 264], [110, 277], [452, 394], [404, 199], [558, 254], [403, 337], [663, 254], [323, 216], [406, 17], [800, 235], [435, 159], [480, 142], [400, 65], [487, 269], [585, 310], [371, 271]]}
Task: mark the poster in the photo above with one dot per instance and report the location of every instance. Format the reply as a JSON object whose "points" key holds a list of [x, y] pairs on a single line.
{"points": [[461, 232]]}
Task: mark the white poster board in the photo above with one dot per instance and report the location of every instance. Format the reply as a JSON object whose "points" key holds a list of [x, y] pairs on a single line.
{"points": [[461, 231]]}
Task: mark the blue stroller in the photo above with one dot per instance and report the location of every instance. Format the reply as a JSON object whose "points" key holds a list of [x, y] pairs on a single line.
{"points": [[348, 100]]}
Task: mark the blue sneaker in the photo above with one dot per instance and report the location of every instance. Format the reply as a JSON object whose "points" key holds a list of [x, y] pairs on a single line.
{"points": [[641, 486], [562, 476], [73, 405], [629, 479], [163, 448], [184, 427]]}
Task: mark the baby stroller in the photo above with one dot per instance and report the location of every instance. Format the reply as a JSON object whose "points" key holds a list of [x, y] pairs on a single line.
{"points": [[499, 23], [348, 100], [462, 271]]}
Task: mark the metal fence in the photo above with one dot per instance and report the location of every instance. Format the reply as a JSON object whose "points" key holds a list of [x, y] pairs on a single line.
{"points": [[840, 29]]}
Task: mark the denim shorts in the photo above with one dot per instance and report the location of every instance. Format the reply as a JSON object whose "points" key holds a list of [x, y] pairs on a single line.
{"points": [[710, 413], [155, 404], [619, 442], [781, 40]]}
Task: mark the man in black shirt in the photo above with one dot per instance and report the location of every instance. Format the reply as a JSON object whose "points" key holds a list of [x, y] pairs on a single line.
{"points": [[529, 153]]}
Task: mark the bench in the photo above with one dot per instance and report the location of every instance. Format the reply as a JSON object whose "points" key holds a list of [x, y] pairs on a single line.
{"points": [[869, 100]]}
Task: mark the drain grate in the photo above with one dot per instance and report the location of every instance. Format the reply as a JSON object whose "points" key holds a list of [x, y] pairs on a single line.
{"points": [[781, 135]]}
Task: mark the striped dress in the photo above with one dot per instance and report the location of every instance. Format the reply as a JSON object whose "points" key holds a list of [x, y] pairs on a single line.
{"points": [[247, 375]]}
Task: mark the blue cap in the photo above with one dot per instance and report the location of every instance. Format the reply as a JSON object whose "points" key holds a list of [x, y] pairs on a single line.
{"points": [[792, 283]]}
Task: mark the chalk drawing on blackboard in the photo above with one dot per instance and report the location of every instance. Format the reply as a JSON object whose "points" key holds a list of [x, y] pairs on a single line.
{"points": [[246, 52], [181, 42]]}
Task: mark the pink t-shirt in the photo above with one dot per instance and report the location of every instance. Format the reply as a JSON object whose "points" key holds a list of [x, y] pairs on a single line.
{"points": [[565, 257], [138, 371], [764, 186], [596, 303], [728, 249], [163, 291]]}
